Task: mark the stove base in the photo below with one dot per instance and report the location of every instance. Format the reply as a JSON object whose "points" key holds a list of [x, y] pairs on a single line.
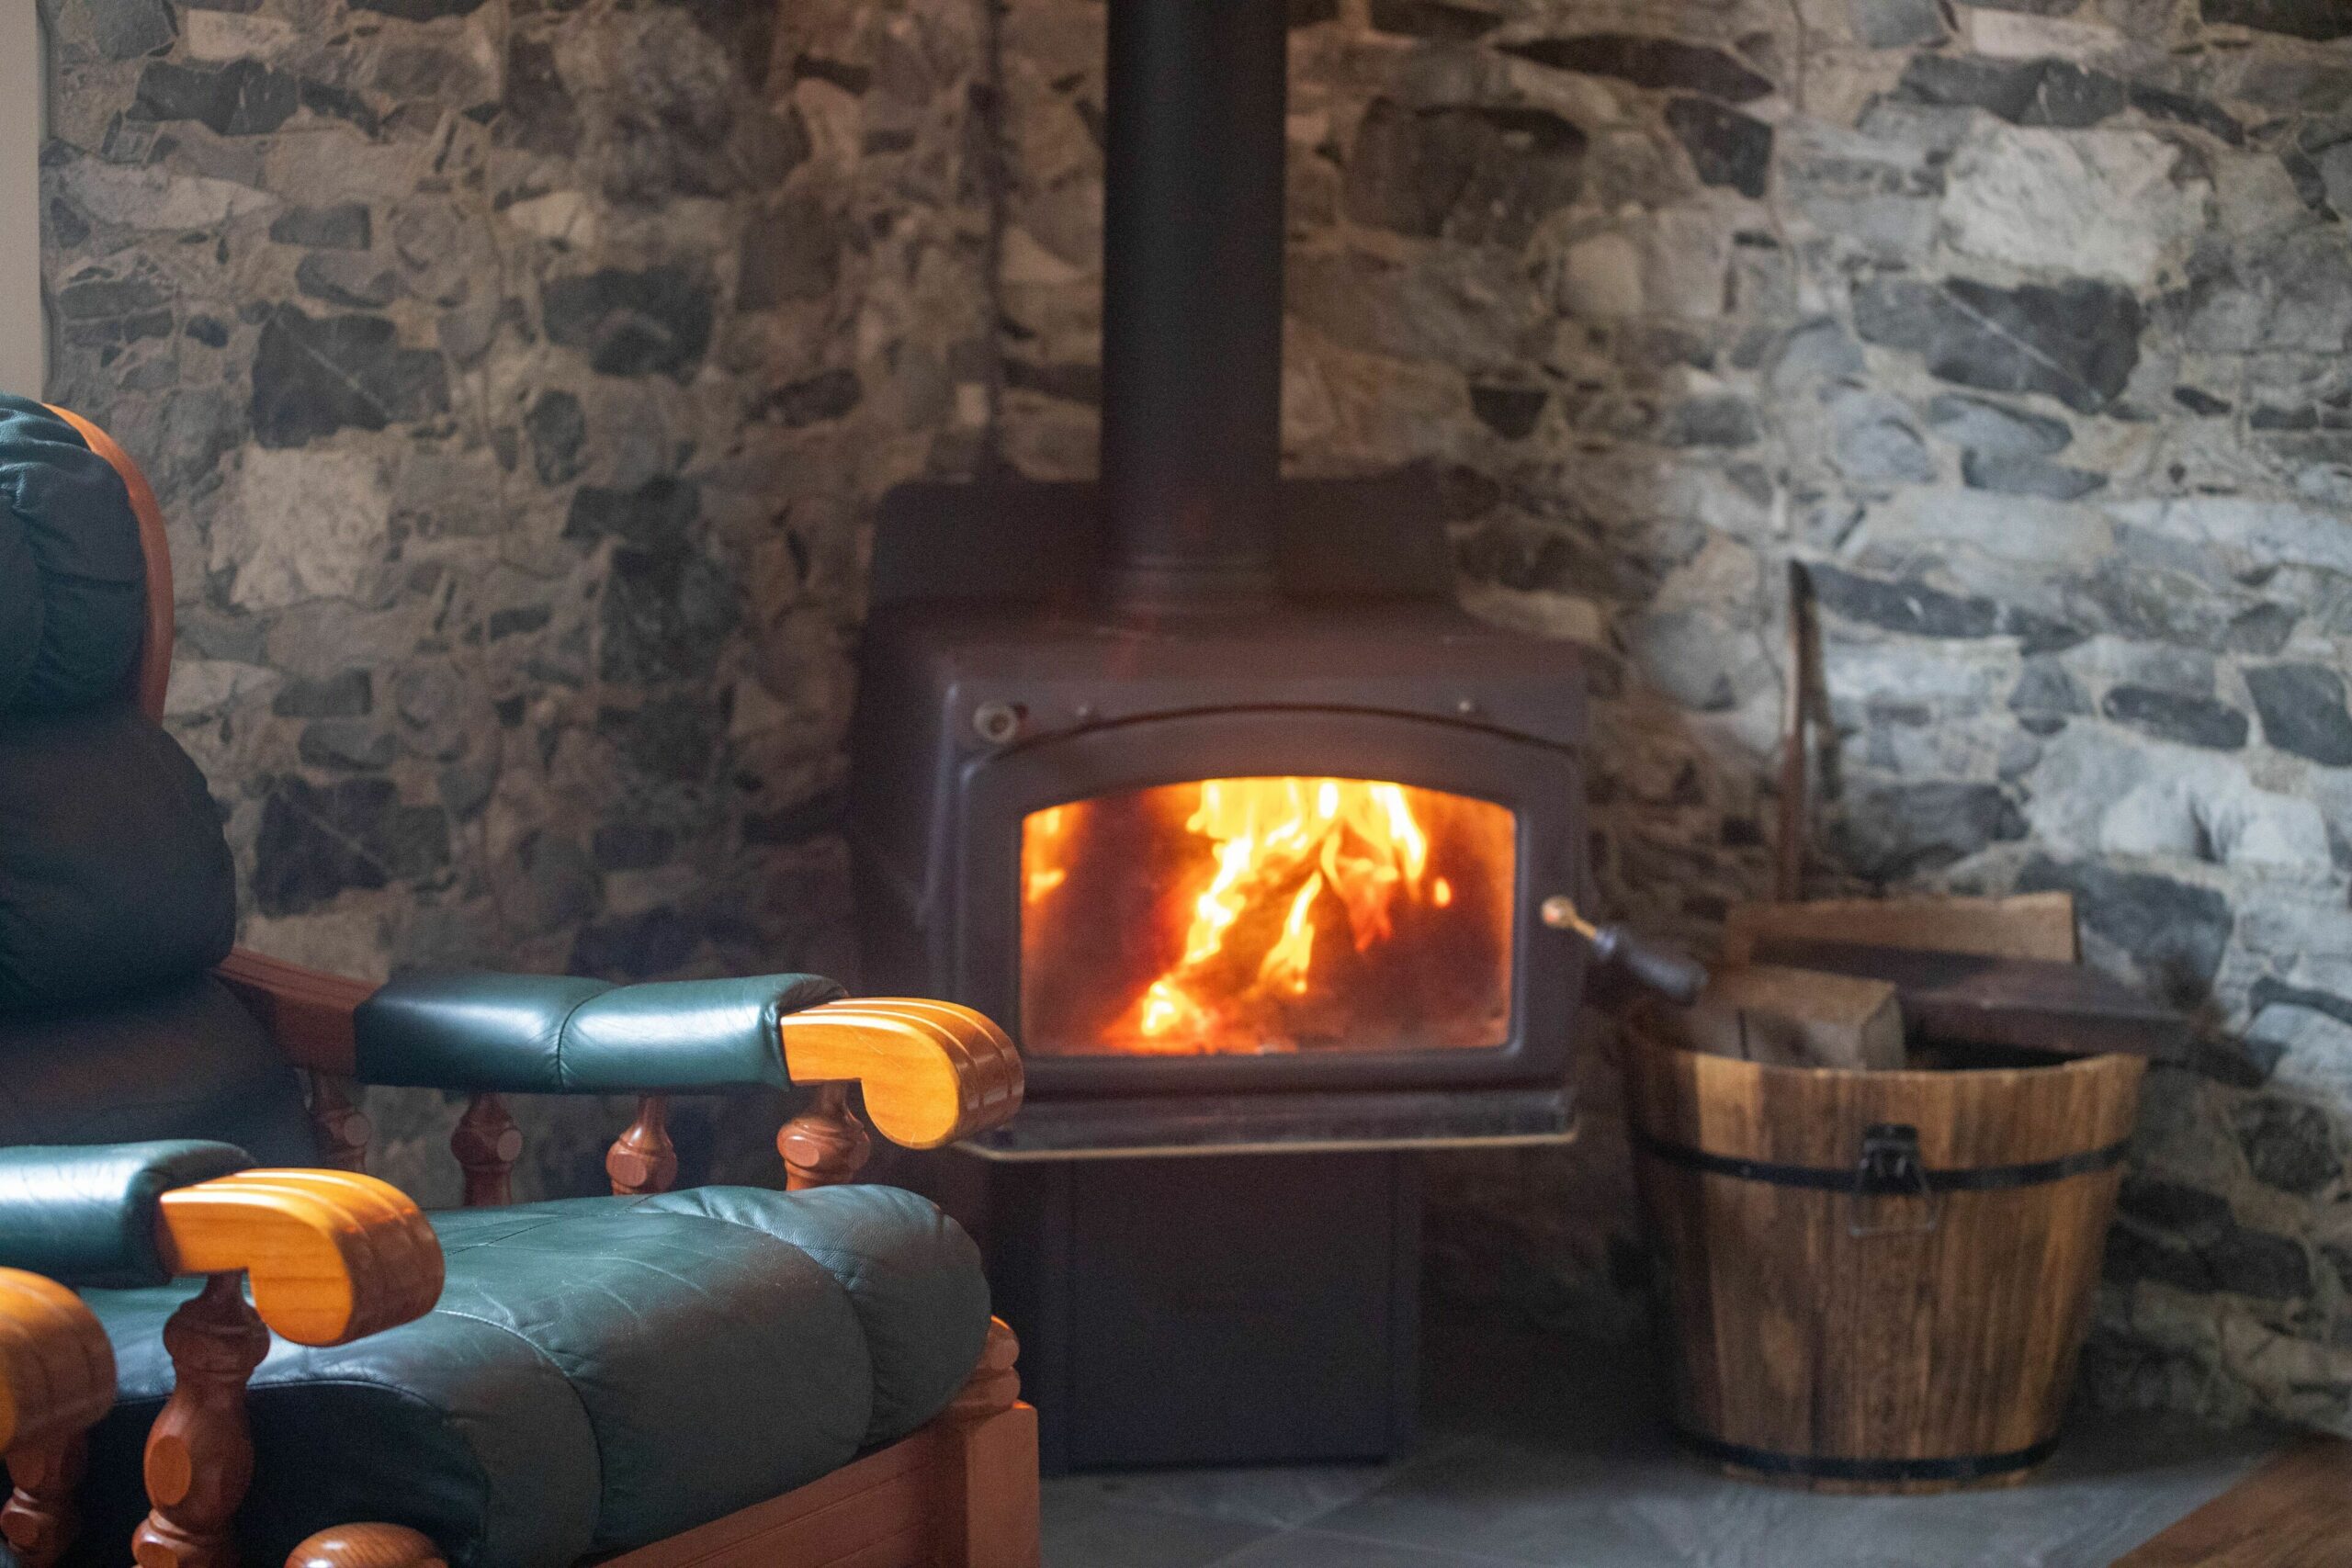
{"points": [[1214, 1310]]}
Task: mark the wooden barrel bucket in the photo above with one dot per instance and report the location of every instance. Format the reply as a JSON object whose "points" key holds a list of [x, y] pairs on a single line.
{"points": [[1878, 1281]]}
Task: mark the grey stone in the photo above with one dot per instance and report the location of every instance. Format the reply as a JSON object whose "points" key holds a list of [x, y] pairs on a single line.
{"points": [[2186, 108], [419, 10], [634, 947], [316, 843], [2303, 712], [538, 113], [1511, 412], [209, 330], [1726, 147], [2033, 91], [2170, 715], [348, 278], [1876, 442], [244, 98], [1896, 23], [1888, 832], [633, 846], [354, 744], [1994, 430], [791, 253], [1917, 610], [2320, 21], [2045, 690], [2174, 931], [664, 615], [830, 395], [671, 740], [344, 226], [1816, 352], [1724, 418], [349, 694], [312, 376], [124, 29], [1479, 174], [659, 514], [558, 429], [632, 324], [2028, 475], [2288, 1145], [1648, 60], [1432, 19], [2078, 341]]}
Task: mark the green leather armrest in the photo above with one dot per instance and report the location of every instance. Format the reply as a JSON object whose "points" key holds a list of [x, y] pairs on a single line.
{"points": [[85, 1214], [548, 1034]]}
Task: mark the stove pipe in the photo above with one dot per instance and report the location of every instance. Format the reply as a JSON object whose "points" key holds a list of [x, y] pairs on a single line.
{"points": [[1192, 302]]}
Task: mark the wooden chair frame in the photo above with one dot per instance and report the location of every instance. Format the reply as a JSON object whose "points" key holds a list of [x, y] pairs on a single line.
{"points": [[332, 1255]]}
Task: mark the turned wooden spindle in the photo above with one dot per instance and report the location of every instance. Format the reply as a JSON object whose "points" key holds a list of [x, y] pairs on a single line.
{"points": [[39, 1520], [366, 1546], [643, 1159], [57, 1377], [487, 1144], [341, 1128], [825, 1145], [995, 1381], [987, 1501], [200, 1451]]}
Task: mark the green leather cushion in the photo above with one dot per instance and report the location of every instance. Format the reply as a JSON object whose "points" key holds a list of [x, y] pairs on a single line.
{"points": [[600, 1373], [181, 1061], [86, 1216], [71, 579], [556, 1034], [114, 876]]}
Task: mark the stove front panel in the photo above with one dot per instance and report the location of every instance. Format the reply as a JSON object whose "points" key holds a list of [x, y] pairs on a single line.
{"points": [[1272, 898]]}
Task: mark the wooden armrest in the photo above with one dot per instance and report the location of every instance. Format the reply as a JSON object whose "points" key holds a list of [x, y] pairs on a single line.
{"points": [[307, 1012], [56, 1368], [931, 1072], [332, 1255]]}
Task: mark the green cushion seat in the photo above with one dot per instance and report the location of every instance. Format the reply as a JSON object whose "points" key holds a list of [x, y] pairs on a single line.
{"points": [[600, 1373]]}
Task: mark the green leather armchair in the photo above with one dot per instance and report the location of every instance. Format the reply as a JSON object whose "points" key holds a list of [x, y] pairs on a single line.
{"points": [[721, 1375]]}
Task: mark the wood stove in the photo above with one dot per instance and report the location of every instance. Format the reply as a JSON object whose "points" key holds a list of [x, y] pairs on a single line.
{"points": [[1201, 784]]}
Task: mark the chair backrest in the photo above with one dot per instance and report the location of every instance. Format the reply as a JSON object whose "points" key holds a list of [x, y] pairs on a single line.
{"points": [[118, 895]]}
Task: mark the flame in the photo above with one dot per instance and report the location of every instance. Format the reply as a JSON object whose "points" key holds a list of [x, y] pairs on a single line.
{"points": [[1323, 851], [1040, 839]]}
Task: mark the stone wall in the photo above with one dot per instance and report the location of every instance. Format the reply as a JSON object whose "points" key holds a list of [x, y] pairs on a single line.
{"points": [[516, 375], [2022, 324]]}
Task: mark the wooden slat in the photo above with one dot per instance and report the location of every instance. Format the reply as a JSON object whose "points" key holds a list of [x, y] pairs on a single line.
{"points": [[2029, 925], [870, 1504], [1969, 999], [2295, 1512]]}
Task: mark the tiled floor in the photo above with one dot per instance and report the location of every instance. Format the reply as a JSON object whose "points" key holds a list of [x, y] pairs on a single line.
{"points": [[1539, 1453]]}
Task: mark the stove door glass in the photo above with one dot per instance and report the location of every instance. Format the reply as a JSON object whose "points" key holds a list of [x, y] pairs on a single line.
{"points": [[1261, 916]]}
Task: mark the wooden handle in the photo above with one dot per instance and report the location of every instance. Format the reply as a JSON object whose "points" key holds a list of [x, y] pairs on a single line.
{"points": [[931, 1072], [332, 1255], [366, 1546]]}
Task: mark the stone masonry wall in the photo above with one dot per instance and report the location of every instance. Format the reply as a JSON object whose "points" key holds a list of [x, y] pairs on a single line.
{"points": [[2023, 324], [516, 377]]}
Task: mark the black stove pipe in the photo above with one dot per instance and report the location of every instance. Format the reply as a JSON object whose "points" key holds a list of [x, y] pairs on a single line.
{"points": [[1192, 302]]}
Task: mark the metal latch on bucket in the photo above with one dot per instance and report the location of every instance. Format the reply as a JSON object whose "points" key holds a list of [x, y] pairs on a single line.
{"points": [[1889, 1167]]}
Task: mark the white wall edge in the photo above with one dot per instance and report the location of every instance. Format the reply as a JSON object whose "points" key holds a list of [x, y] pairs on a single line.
{"points": [[23, 327]]}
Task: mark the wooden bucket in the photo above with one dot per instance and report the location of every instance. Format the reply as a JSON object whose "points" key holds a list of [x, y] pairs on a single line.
{"points": [[1879, 1280]]}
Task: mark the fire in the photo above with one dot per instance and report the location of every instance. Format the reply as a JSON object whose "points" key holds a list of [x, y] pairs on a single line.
{"points": [[1251, 916], [1347, 849]]}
